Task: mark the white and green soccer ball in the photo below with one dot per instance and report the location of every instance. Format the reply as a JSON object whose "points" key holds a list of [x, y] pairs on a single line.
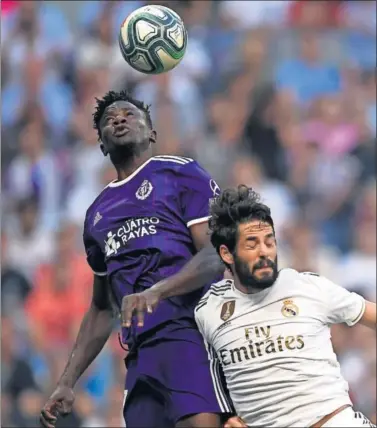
{"points": [[153, 39]]}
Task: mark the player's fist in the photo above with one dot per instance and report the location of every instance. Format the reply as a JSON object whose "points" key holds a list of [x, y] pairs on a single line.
{"points": [[235, 422], [138, 304], [60, 403]]}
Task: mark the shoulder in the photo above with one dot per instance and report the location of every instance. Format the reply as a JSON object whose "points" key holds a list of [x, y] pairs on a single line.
{"points": [[291, 278], [216, 293], [172, 162], [305, 283], [179, 165]]}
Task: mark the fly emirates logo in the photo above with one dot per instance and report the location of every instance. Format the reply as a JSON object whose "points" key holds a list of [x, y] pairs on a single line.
{"points": [[131, 229], [260, 342]]}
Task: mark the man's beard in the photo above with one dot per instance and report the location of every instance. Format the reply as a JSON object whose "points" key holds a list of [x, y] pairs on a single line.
{"points": [[248, 279]]}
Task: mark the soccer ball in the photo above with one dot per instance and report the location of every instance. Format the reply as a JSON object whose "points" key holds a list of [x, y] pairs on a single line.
{"points": [[153, 39]]}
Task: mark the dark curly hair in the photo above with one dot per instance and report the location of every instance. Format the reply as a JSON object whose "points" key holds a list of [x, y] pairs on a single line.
{"points": [[112, 97], [231, 208]]}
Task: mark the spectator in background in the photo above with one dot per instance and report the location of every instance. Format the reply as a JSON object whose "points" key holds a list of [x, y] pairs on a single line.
{"points": [[331, 129], [36, 29], [275, 193], [315, 14], [8, 5], [99, 49], [370, 92], [246, 15], [302, 250], [307, 76], [91, 11], [14, 285], [34, 86], [28, 244], [358, 267], [61, 292], [17, 376], [35, 172], [359, 19], [261, 135]]}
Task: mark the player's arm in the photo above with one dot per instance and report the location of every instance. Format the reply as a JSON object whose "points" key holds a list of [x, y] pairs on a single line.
{"points": [[369, 318], [204, 267], [95, 330]]}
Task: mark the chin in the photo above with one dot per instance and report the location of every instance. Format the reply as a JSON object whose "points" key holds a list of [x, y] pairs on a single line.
{"points": [[122, 142]]}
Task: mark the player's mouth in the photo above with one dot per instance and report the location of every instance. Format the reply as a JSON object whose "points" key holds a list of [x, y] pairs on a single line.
{"points": [[120, 132]]}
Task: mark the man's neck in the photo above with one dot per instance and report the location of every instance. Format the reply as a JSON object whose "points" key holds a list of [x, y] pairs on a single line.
{"points": [[125, 169], [247, 290]]}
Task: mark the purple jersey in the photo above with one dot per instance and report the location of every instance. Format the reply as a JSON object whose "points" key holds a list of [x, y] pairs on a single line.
{"points": [[137, 232]]}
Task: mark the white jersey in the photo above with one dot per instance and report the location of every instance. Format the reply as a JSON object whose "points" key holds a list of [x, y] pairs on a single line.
{"points": [[275, 349]]}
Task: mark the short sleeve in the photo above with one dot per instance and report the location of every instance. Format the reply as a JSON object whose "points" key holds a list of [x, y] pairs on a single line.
{"points": [[197, 188], [94, 254], [342, 306]]}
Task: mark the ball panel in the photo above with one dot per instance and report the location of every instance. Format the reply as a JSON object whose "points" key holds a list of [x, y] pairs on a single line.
{"points": [[145, 30], [176, 35], [168, 61], [156, 11], [141, 62]]}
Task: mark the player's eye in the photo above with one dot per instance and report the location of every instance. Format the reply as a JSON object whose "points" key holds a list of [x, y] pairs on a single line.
{"points": [[129, 113], [270, 242], [252, 245]]}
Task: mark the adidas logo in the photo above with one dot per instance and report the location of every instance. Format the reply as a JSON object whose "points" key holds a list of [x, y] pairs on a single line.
{"points": [[97, 218]]}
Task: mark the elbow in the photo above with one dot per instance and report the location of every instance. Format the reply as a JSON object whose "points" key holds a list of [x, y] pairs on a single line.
{"points": [[103, 308]]}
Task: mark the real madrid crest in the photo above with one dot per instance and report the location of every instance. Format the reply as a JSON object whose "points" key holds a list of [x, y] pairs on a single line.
{"points": [[144, 190], [227, 310], [289, 309]]}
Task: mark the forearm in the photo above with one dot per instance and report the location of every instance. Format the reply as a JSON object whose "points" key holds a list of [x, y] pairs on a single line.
{"points": [[94, 332], [204, 267]]}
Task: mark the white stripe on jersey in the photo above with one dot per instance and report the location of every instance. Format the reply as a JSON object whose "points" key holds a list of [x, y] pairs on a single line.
{"points": [[197, 221], [178, 159], [221, 395]]}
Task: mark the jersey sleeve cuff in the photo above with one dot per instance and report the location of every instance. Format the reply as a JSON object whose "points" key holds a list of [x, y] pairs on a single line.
{"points": [[100, 273], [198, 221], [361, 313]]}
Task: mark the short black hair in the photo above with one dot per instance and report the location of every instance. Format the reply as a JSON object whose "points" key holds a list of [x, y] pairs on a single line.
{"points": [[231, 208], [112, 97]]}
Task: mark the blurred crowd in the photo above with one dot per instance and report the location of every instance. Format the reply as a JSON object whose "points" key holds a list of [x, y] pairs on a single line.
{"points": [[280, 95]]}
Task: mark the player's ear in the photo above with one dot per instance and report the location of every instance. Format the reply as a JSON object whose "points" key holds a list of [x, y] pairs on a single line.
{"points": [[103, 149], [153, 136], [226, 255]]}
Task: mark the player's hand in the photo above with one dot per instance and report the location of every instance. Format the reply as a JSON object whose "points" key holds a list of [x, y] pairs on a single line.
{"points": [[138, 304], [60, 403], [235, 422]]}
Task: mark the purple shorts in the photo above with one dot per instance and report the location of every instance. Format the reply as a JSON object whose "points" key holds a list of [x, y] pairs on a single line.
{"points": [[171, 379]]}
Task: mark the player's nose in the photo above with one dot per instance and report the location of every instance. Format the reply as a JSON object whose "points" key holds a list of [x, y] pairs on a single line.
{"points": [[263, 251], [119, 120]]}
